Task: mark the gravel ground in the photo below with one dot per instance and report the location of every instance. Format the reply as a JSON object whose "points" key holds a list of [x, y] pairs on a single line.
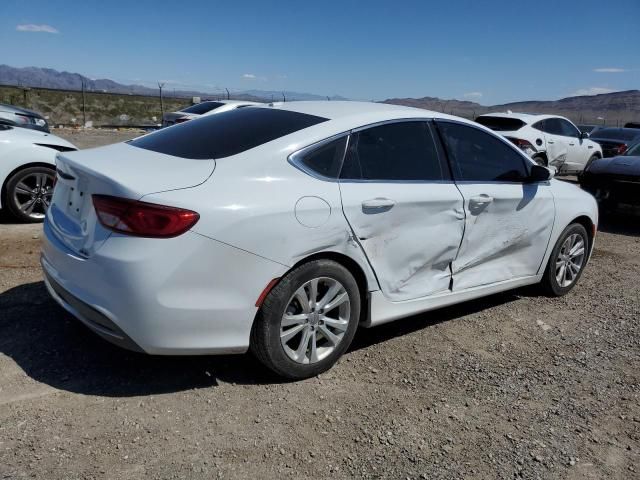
{"points": [[512, 386]]}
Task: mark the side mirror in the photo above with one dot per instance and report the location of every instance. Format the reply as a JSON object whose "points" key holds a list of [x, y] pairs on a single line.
{"points": [[584, 135], [540, 174]]}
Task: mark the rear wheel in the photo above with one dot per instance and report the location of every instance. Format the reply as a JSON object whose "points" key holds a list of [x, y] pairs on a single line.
{"points": [[567, 261], [308, 320], [540, 160], [28, 192]]}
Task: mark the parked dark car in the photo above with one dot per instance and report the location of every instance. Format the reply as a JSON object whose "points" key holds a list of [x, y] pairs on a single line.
{"points": [[632, 125], [588, 128], [615, 180], [615, 141], [20, 117]]}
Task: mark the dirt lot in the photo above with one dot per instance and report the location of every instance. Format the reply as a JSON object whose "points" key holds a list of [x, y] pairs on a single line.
{"points": [[513, 386]]}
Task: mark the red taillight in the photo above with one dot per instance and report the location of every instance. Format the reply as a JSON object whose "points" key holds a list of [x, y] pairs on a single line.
{"points": [[523, 144], [621, 148], [182, 119], [142, 219]]}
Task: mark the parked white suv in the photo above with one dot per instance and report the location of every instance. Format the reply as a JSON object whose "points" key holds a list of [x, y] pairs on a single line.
{"points": [[549, 139]]}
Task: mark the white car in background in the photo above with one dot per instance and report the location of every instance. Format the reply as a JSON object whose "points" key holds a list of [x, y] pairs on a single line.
{"points": [[282, 228], [203, 108], [549, 139], [27, 171]]}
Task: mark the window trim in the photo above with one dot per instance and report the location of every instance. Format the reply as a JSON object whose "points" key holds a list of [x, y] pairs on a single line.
{"points": [[528, 162]]}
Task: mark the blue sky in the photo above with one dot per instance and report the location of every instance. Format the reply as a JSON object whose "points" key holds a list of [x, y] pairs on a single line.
{"points": [[490, 51]]}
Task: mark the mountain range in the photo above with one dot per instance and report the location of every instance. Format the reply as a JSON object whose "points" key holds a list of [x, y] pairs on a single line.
{"points": [[37, 77], [616, 107]]}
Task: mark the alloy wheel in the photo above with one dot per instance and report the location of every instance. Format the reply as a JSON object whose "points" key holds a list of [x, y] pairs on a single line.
{"points": [[570, 260], [315, 320], [32, 194]]}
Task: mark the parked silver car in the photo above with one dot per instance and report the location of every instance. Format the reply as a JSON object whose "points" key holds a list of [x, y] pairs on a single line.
{"points": [[20, 117]]}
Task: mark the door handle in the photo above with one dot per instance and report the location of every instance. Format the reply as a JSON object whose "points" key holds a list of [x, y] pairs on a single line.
{"points": [[572, 144], [551, 142], [483, 199], [378, 205]]}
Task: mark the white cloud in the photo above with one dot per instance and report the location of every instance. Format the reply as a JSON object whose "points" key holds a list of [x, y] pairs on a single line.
{"points": [[592, 91], [610, 70], [249, 76], [475, 95], [30, 27]]}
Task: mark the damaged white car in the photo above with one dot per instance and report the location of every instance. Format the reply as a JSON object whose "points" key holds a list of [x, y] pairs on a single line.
{"points": [[549, 140], [282, 228]]}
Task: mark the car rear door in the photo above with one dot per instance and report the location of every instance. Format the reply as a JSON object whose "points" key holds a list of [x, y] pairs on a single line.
{"points": [[508, 220], [403, 207]]}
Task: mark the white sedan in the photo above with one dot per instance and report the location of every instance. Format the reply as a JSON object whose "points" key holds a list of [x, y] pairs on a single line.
{"points": [[27, 170], [203, 108], [282, 228]]}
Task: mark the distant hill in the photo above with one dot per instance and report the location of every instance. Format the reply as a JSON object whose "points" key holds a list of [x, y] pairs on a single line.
{"points": [[610, 107], [37, 77]]}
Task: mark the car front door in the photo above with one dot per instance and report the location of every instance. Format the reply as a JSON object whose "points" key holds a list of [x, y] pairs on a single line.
{"points": [[508, 219], [578, 150], [403, 207]]}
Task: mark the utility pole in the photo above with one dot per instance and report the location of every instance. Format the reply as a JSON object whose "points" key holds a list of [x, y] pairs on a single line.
{"points": [[284, 99], [160, 86], [84, 106], [228, 96]]}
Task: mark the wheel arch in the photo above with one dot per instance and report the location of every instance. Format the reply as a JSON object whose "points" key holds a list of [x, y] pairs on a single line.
{"points": [[589, 226]]}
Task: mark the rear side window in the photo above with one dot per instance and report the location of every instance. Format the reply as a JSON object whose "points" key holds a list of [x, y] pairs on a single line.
{"points": [[501, 124], [395, 151], [477, 156], [203, 107], [324, 160], [227, 133]]}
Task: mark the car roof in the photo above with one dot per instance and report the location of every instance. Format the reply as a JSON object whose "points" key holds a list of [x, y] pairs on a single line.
{"points": [[525, 117], [358, 113]]}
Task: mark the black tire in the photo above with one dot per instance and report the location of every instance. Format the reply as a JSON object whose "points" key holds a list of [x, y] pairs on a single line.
{"points": [[265, 335], [12, 195], [549, 282], [540, 160]]}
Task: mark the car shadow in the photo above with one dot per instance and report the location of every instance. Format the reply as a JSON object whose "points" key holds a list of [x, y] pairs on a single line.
{"points": [[53, 348]]}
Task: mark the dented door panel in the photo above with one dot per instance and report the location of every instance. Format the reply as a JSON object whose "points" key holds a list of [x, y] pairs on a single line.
{"points": [[506, 237], [410, 233]]}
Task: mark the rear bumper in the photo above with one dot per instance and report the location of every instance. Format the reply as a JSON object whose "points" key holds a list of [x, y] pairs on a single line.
{"points": [[182, 296]]}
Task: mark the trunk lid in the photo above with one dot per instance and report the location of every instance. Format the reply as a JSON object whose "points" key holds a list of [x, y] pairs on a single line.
{"points": [[120, 170]]}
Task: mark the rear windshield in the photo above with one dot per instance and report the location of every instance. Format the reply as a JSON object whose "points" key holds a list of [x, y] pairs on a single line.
{"points": [[501, 124], [617, 133], [203, 107], [225, 134]]}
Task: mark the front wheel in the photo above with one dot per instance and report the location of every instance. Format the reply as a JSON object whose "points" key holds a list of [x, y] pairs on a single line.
{"points": [[308, 320], [567, 261], [28, 192]]}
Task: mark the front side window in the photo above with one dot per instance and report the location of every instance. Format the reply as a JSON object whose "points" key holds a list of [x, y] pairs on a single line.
{"points": [[568, 129], [394, 151], [477, 156], [203, 107]]}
